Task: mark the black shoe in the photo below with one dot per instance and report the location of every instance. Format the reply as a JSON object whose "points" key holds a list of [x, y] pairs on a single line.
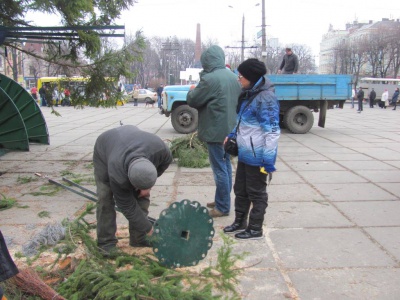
{"points": [[239, 224], [235, 228], [249, 234]]}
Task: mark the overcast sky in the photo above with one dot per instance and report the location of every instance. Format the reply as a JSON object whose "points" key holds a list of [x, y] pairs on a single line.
{"points": [[291, 21]]}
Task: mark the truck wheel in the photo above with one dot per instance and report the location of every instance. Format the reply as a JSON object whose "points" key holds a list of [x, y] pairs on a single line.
{"points": [[184, 119], [298, 119]]}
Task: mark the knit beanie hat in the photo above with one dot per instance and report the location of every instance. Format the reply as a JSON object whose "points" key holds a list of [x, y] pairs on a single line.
{"points": [[142, 174], [252, 69]]}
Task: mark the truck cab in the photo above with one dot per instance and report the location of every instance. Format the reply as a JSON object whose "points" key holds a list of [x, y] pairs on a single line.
{"points": [[184, 118]]}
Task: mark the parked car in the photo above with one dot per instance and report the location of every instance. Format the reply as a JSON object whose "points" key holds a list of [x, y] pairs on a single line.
{"points": [[144, 96]]}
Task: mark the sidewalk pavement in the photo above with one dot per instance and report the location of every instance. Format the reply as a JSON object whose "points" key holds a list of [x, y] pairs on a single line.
{"points": [[332, 228]]}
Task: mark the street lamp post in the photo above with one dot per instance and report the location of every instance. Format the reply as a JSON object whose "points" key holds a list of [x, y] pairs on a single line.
{"points": [[242, 47], [264, 37]]}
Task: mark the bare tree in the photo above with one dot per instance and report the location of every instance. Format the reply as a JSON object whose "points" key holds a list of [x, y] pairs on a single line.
{"points": [[357, 57], [394, 42]]}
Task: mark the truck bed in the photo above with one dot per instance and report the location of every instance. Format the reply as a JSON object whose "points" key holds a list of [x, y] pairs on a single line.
{"points": [[311, 87]]}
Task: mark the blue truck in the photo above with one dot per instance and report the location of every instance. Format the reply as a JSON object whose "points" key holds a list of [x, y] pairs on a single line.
{"points": [[299, 96]]}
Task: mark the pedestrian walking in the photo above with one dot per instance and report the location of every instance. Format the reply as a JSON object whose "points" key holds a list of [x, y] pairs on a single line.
{"points": [[34, 93], [159, 94], [360, 98], [55, 96], [372, 96], [395, 97], [42, 94], [353, 97], [135, 96], [385, 99]]}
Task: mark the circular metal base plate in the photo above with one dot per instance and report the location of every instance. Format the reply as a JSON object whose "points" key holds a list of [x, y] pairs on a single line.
{"points": [[183, 234]]}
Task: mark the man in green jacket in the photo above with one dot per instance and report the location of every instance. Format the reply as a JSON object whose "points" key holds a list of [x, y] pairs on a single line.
{"points": [[215, 98]]}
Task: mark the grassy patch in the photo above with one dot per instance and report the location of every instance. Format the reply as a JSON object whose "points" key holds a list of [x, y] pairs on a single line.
{"points": [[81, 178], [89, 166], [7, 203], [26, 179], [66, 173], [47, 190], [44, 214]]}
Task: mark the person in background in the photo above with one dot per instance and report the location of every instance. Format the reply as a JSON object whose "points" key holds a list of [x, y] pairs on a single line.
{"points": [[34, 93], [215, 98], [372, 97], [257, 133], [135, 96], [55, 96], [353, 97], [42, 94], [290, 63], [395, 97], [67, 100], [159, 94], [385, 99], [360, 97], [127, 162]]}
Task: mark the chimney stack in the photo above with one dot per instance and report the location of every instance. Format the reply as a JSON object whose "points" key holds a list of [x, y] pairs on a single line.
{"points": [[197, 50]]}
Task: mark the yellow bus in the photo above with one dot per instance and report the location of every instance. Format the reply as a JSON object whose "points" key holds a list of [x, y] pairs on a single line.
{"points": [[72, 83]]}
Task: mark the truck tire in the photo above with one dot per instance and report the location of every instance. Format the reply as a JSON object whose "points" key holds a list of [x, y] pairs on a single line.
{"points": [[184, 119], [298, 119]]}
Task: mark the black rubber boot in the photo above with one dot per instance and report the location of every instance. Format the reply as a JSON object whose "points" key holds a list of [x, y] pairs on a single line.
{"points": [[252, 232], [238, 225]]}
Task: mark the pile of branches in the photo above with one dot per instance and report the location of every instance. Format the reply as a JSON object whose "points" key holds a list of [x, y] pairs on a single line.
{"points": [[126, 276], [190, 151]]}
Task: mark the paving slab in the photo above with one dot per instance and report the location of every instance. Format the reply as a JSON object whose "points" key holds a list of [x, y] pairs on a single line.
{"points": [[331, 229], [388, 237], [331, 176], [354, 191], [347, 283], [328, 248], [372, 213], [305, 215]]}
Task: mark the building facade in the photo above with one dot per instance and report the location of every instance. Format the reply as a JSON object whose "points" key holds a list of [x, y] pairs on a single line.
{"points": [[352, 49]]}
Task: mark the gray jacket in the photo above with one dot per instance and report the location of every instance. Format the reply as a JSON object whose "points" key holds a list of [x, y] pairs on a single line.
{"points": [[114, 150], [289, 64]]}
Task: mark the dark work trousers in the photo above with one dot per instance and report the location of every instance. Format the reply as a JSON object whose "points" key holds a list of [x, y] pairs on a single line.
{"points": [[106, 216], [360, 104], [251, 189]]}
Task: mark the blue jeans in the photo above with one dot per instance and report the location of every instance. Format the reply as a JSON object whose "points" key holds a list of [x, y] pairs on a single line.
{"points": [[222, 169], [159, 101]]}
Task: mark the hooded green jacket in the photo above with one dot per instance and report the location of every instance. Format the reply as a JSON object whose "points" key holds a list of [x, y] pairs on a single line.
{"points": [[215, 97]]}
